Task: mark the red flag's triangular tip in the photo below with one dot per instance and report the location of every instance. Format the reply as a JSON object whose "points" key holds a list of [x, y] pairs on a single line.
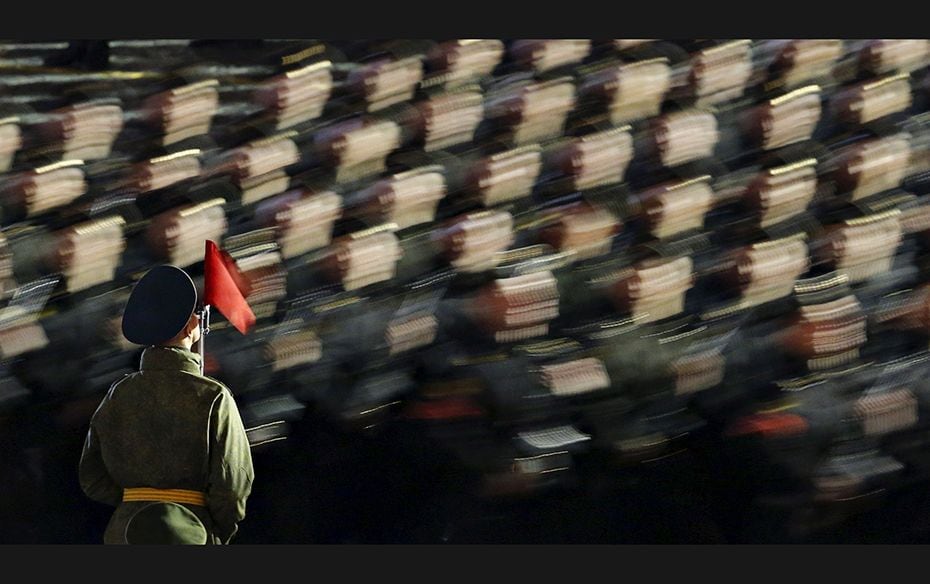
{"points": [[221, 285]]}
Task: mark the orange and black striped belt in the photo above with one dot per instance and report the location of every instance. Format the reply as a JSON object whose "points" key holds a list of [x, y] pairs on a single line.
{"points": [[166, 495]]}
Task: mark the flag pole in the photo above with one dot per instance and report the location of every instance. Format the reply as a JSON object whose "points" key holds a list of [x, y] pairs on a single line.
{"points": [[204, 312]]}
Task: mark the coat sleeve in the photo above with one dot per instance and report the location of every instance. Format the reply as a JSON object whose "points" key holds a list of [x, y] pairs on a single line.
{"points": [[95, 480], [231, 471]]}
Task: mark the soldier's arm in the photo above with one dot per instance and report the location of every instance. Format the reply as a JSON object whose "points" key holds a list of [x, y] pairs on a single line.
{"points": [[92, 472], [231, 470]]}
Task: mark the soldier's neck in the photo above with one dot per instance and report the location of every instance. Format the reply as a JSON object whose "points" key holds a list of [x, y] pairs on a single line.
{"points": [[181, 344]]}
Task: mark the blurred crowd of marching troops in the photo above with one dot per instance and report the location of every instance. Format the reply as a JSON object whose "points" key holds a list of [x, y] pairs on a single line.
{"points": [[507, 290]]}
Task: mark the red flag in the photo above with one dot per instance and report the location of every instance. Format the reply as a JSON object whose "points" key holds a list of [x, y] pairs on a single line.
{"points": [[221, 284], [239, 279]]}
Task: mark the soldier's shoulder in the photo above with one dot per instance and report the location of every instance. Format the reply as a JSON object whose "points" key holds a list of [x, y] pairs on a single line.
{"points": [[208, 383], [121, 379]]}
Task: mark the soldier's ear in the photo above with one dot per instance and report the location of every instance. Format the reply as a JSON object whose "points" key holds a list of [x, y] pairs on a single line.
{"points": [[192, 323]]}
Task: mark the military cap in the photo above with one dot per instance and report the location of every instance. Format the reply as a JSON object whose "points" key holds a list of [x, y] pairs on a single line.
{"points": [[159, 305], [166, 523]]}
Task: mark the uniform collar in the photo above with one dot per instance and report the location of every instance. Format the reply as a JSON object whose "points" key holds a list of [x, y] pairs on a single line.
{"points": [[172, 358]]}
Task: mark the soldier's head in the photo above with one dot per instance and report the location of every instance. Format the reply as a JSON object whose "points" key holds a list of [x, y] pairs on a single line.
{"points": [[161, 309]]}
